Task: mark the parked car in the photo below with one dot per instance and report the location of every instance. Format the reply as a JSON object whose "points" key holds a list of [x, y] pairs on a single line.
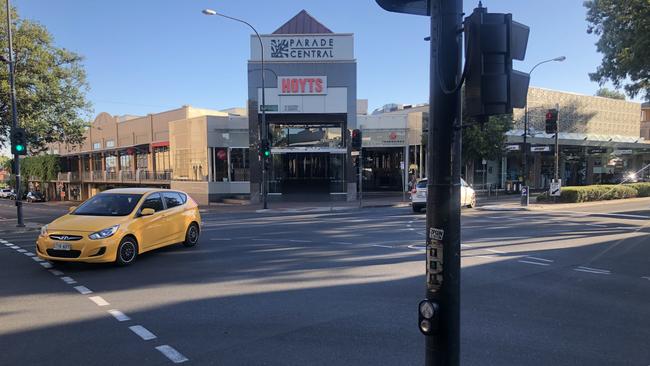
{"points": [[6, 192], [419, 195], [119, 224], [35, 196]]}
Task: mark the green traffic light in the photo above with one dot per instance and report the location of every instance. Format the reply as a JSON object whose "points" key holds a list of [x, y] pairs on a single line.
{"points": [[20, 148], [267, 153]]}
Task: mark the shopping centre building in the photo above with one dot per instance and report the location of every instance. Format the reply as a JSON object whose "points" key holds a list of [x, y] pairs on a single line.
{"points": [[311, 105]]}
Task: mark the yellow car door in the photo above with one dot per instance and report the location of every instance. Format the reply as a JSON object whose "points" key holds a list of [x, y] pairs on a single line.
{"points": [[153, 228], [175, 218]]}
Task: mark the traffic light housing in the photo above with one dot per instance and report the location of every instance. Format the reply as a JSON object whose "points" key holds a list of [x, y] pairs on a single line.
{"points": [[551, 121], [265, 149], [18, 140], [492, 41], [356, 139]]}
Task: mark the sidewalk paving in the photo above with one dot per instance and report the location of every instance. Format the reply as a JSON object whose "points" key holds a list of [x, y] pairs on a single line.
{"points": [[533, 206]]}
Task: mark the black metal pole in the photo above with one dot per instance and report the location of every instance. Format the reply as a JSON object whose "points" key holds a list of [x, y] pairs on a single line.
{"points": [[14, 117], [525, 147], [443, 168]]}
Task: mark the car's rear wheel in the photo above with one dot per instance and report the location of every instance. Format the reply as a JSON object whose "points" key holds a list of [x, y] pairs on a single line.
{"points": [[472, 203], [127, 251], [192, 235]]}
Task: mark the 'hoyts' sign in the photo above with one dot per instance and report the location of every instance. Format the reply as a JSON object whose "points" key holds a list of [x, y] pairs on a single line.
{"points": [[302, 85]]}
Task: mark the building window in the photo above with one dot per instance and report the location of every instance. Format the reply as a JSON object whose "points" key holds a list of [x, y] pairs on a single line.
{"points": [[97, 145], [161, 157], [110, 143], [307, 135], [125, 162], [111, 163], [142, 161], [239, 165], [219, 164]]}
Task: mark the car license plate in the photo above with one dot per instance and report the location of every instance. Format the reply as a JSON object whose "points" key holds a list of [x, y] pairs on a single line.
{"points": [[61, 246]]}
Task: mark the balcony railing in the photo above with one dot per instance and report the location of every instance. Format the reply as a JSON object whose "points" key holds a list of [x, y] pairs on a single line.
{"points": [[122, 176], [149, 176]]}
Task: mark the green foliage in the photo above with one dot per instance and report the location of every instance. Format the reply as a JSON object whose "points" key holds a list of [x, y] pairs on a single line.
{"points": [[50, 87], [624, 30], [485, 141], [608, 93], [599, 193], [5, 163], [43, 168]]}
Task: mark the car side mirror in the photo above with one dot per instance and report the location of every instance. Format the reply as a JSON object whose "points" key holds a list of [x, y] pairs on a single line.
{"points": [[72, 208], [147, 212]]}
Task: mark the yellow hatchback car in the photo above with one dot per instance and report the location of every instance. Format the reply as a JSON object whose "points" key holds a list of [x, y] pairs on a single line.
{"points": [[118, 224]]}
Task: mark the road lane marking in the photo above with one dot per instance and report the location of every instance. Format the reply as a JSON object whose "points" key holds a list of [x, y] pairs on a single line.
{"points": [[646, 277], [56, 272], [120, 316], [98, 300], [417, 247], [588, 271], [29, 254], [540, 259], [37, 259], [381, 246], [83, 290], [466, 245], [68, 280], [172, 354], [224, 239], [143, 332], [497, 251], [21, 251], [537, 263], [14, 247], [342, 242], [594, 269], [46, 265], [483, 256], [299, 241], [597, 225]]}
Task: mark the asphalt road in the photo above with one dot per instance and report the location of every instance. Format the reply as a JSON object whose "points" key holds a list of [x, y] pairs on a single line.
{"points": [[568, 287]]}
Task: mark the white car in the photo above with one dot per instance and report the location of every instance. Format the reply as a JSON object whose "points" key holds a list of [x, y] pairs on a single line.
{"points": [[419, 195], [5, 192]]}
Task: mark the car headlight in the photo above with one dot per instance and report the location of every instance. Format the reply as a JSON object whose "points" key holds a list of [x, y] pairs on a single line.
{"points": [[103, 234], [44, 230]]}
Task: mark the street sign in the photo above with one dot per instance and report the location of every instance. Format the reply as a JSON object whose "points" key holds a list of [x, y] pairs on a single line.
{"points": [[556, 188], [401, 165], [354, 153], [269, 108], [512, 147], [540, 148]]}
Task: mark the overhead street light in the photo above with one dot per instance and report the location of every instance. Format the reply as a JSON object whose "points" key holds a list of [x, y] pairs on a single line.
{"points": [[524, 200], [264, 129]]}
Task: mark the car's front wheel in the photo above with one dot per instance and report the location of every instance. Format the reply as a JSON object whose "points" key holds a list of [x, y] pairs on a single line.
{"points": [[127, 251], [192, 235], [472, 203]]}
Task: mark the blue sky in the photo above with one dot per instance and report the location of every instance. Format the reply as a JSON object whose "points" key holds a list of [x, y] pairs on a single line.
{"points": [[150, 55]]}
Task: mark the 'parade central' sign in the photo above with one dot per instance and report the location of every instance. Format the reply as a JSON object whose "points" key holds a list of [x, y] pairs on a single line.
{"points": [[304, 48]]}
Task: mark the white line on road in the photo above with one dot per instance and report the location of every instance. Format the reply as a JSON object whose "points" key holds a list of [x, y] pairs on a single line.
{"points": [[589, 271], [594, 269], [143, 332], [381, 246], [37, 259], [21, 251], [29, 254], [342, 242], [120, 316], [483, 256], [98, 300], [417, 247], [540, 259], [14, 247], [56, 272], [68, 280], [172, 354], [646, 277], [496, 228], [537, 263], [220, 239], [46, 265], [83, 290], [597, 225], [496, 251], [300, 241], [466, 245]]}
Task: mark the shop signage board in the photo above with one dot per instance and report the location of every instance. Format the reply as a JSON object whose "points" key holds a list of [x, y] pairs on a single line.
{"points": [[302, 85], [540, 148], [303, 48]]}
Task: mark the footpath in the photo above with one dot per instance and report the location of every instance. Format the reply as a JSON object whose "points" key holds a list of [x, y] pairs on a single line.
{"points": [[515, 205]]}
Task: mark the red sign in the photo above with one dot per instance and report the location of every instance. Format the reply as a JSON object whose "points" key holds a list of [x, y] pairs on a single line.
{"points": [[221, 154], [393, 136], [302, 85]]}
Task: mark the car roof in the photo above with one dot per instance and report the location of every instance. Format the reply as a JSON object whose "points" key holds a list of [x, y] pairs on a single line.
{"points": [[134, 190]]}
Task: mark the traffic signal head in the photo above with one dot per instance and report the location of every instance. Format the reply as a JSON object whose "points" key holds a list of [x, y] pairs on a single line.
{"points": [[551, 121], [492, 41], [265, 149], [18, 141], [356, 139]]}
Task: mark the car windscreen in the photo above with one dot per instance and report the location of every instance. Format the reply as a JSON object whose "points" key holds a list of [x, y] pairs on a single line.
{"points": [[109, 204], [422, 184]]}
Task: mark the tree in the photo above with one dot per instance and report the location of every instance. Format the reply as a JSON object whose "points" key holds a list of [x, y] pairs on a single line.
{"points": [[608, 93], [50, 87], [484, 141], [624, 30]]}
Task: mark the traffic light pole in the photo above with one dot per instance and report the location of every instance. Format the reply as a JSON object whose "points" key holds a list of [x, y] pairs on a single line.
{"points": [[14, 116], [443, 187]]}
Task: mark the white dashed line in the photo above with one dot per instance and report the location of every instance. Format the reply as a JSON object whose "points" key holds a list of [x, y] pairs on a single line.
{"points": [[29, 254], [56, 272], [592, 270], [381, 246], [541, 259], [120, 316], [46, 265], [647, 278], [483, 256], [597, 225], [342, 242], [98, 300], [83, 290], [68, 280], [417, 247], [537, 263], [172, 354], [220, 239], [21, 251], [143, 332], [495, 251], [14, 247], [466, 246], [37, 259], [300, 241]]}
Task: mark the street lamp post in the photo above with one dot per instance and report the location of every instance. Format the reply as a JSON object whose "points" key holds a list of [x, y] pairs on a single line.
{"points": [[264, 129], [14, 117], [524, 200]]}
